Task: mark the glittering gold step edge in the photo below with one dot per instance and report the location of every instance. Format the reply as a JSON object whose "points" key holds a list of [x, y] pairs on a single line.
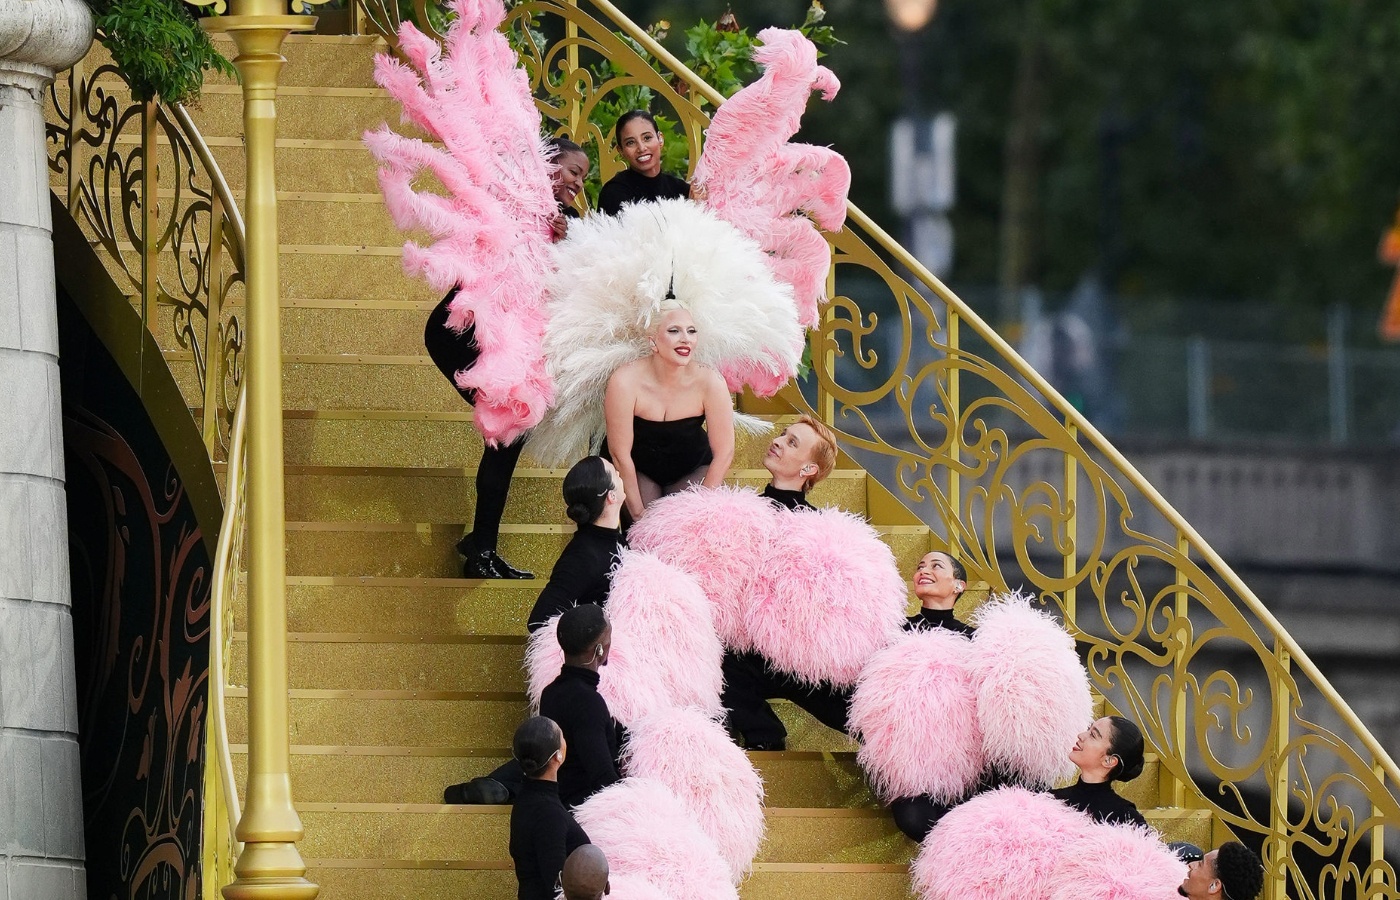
{"points": [[790, 812], [371, 694], [324, 359], [460, 471], [494, 864], [393, 750], [392, 581], [418, 527], [350, 637]]}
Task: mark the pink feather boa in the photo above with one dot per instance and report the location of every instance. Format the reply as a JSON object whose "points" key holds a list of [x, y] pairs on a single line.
{"points": [[830, 596], [1001, 845], [756, 180], [1117, 862], [664, 649], [690, 752], [1033, 694], [721, 537], [647, 833], [915, 708], [491, 230]]}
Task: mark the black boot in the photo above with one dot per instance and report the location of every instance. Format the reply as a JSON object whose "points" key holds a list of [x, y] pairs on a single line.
{"points": [[483, 790], [485, 563]]}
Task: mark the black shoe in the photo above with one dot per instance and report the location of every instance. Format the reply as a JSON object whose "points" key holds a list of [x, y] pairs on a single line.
{"points": [[485, 563], [481, 791]]}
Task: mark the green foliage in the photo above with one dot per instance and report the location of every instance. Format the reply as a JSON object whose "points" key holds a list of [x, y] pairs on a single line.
{"points": [[158, 46]]}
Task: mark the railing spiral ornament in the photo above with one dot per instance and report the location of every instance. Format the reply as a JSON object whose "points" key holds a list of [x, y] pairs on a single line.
{"points": [[144, 188], [1013, 480]]}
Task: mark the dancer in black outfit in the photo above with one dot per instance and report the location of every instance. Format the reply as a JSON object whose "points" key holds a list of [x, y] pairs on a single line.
{"points": [[801, 456], [542, 832], [1107, 751], [938, 582], [640, 143], [594, 495], [573, 701], [452, 352]]}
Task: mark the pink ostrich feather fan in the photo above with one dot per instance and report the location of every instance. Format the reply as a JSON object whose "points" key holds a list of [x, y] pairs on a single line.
{"points": [[767, 187], [647, 833], [1002, 845], [829, 598], [631, 887], [664, 649], [721, 537], [915, 709], [1117, 862], [1032, 691], [490, 230], [689, 751]]}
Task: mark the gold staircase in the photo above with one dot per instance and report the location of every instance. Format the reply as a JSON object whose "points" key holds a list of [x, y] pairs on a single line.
{"points": [[405, 678]]}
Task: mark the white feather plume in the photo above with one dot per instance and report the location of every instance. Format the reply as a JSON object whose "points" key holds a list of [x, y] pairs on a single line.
{"points": [[614, 271]]}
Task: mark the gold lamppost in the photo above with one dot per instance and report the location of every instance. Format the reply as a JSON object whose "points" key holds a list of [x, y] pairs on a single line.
{"points": [[270, 867]]}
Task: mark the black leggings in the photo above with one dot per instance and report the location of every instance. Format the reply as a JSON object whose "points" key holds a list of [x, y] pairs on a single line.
{"points": [[452, 352]]}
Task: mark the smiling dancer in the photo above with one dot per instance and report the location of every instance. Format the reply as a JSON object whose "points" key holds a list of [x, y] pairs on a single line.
{"points": [[1109, 750], [670, 424], [797, 460], [640, 143], [939, 581], [452, 352]]}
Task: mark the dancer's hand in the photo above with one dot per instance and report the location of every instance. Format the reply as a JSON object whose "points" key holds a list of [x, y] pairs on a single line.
{"points": [[558, 228]]}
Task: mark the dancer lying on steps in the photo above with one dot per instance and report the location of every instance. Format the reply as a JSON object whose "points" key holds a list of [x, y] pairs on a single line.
{"points": [[542, 832], [594, 495]]}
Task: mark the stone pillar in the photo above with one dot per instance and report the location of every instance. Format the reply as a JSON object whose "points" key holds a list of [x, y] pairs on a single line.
{"points": [[41, 799]]}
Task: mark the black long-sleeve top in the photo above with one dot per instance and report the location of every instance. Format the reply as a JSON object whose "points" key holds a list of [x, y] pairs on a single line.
{"points": [[1101, 802], [542, 835], [787, 499], [573, 702], [582, 574], [937, 618], [632, 187]]}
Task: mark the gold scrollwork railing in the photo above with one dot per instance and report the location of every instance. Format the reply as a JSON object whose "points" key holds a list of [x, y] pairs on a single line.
{"points": [[144, 187], [1026, 492], [221, 805]]}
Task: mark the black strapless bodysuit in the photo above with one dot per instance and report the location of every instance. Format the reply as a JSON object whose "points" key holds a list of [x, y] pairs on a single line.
{"points": [[668, 451]]}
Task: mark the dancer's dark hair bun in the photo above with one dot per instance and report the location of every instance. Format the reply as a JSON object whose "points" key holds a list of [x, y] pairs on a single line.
{"points": [[586, 488], [1126, 744], [536, 741]]}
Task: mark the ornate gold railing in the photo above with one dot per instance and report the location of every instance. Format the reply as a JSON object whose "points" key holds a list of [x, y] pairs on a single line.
{"points": [[145, 189], [1012, 479], [147, 193], [221, 805]]}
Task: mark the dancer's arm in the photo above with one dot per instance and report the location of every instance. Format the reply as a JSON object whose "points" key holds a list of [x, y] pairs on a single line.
{"points": [[719, 422], [619, 405]]}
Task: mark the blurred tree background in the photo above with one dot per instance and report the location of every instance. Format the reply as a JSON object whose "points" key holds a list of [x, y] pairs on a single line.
{"points": [[1226, 153]]}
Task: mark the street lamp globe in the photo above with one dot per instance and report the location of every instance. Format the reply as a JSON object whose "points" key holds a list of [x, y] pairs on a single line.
{"points": [[910, 15]]}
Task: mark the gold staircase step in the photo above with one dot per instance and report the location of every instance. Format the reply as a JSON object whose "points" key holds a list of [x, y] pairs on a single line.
{"points": [[406, 605], [315, 112], [327, 167], [418, 774], [449, 880], [322, 60], [370, 662], [345, 494], [409, 550], [435, 831], [351, 437], [483, 720]]}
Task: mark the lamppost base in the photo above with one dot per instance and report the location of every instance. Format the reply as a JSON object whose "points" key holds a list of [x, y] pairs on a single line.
{"points": [[270, 870]]}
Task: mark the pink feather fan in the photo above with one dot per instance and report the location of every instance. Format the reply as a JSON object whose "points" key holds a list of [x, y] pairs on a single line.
{"points": [[829, 597], [690, 752], [1117, 862], [755, 179], [721, 537], [915, 708], [490, 229], [648, 833], [664, 649], [1032, 691], [1002, 845], [632, 887]]}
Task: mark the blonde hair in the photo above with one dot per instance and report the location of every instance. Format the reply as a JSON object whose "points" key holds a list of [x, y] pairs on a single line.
{"points": [[823, 451]]}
